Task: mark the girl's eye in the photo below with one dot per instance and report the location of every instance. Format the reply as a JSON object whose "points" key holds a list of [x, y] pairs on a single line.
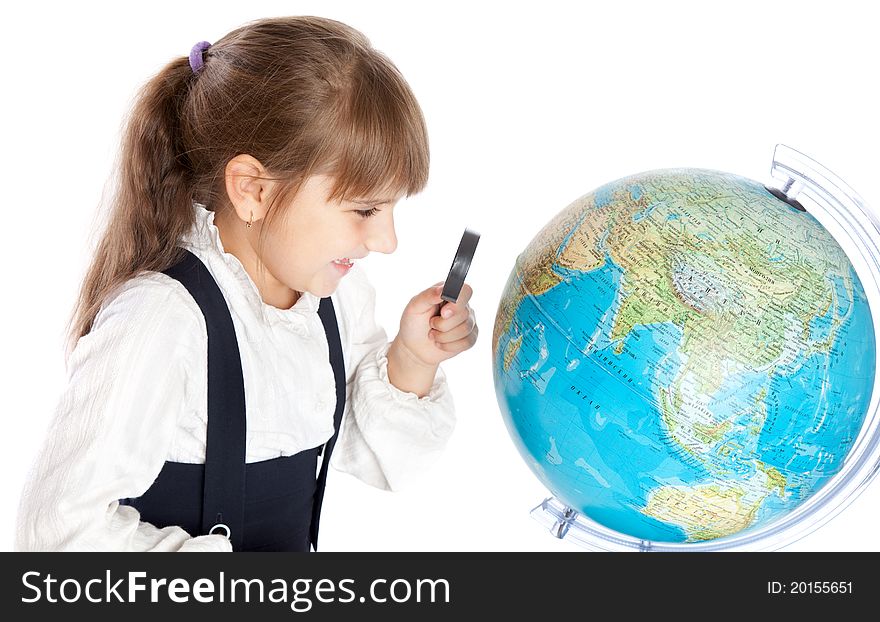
{"points": [[367, 213]]}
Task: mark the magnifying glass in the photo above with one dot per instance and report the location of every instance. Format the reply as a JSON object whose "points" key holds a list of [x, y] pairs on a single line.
{"points": [[460, 266]]}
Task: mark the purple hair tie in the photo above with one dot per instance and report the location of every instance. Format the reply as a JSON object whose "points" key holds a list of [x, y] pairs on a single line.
{"points": [[195, 55]]}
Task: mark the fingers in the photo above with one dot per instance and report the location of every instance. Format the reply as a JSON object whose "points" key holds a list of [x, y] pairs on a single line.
{"points": [[454, 328], [459, 345], [426, 300], [452, 310], [464, 295], [451, 315]]}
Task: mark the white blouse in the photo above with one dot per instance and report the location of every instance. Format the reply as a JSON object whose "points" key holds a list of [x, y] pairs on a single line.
{"points": [[137, 396]]}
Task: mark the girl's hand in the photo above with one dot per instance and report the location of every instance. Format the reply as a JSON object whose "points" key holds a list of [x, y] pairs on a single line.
{"points": [[426, 339]]}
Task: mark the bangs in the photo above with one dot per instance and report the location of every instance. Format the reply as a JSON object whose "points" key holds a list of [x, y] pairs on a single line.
{"points": [[377, 143]]}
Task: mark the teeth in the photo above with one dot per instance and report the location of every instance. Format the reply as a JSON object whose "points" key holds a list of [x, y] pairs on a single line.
{"points": [[344, 262]]}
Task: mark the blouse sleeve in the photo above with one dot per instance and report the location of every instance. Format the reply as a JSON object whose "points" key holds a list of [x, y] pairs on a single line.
{"points": [[113, 427], [389, 437]]}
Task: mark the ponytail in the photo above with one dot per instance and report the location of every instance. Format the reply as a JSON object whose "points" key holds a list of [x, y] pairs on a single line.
{"points": [[152, 201]]}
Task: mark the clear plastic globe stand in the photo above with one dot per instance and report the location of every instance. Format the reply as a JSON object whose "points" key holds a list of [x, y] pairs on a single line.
{"points": [[806, 185]]}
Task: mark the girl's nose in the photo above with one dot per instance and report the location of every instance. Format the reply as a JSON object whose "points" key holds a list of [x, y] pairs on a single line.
{"points": [[382, 237]]}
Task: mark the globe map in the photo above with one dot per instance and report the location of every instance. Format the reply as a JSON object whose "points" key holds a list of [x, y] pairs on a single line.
{"points": [[681, 356]]}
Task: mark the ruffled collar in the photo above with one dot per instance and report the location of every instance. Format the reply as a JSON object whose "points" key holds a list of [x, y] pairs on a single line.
{"points": [[206, 236]]}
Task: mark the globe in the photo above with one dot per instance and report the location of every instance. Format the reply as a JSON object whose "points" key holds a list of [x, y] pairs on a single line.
{"points": [[682, 355]]}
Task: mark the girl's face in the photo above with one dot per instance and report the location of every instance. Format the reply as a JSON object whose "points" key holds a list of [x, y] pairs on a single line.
{"points": [[312, 246]]}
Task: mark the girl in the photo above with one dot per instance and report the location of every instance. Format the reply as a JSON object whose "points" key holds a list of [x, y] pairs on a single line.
{"points": [[224, 345]]}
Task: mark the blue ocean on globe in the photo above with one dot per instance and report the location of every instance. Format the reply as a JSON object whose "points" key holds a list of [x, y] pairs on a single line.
{"points": [[681, 356]]}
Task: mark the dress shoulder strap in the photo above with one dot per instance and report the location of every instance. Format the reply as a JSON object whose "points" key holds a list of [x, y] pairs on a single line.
{"points": [[224, 491]]}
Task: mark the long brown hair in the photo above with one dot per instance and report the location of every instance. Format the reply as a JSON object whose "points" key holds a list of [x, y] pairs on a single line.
{"points": [[303, 95]]}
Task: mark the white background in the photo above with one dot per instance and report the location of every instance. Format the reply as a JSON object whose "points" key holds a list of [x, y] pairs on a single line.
{"points": [[528, 106]]}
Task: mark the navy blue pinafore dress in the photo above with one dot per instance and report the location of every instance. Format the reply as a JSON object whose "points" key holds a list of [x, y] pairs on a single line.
{"points": [[273, 505]]}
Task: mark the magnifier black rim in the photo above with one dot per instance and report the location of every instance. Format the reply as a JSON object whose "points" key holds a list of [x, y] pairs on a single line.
{"points": [[460, 265]]}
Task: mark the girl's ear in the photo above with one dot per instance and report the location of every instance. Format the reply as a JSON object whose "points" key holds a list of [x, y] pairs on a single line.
{"points": [[247, 186]]}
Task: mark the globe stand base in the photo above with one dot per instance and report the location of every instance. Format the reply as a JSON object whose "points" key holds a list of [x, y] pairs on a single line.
{"points": [[565, 522]]}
